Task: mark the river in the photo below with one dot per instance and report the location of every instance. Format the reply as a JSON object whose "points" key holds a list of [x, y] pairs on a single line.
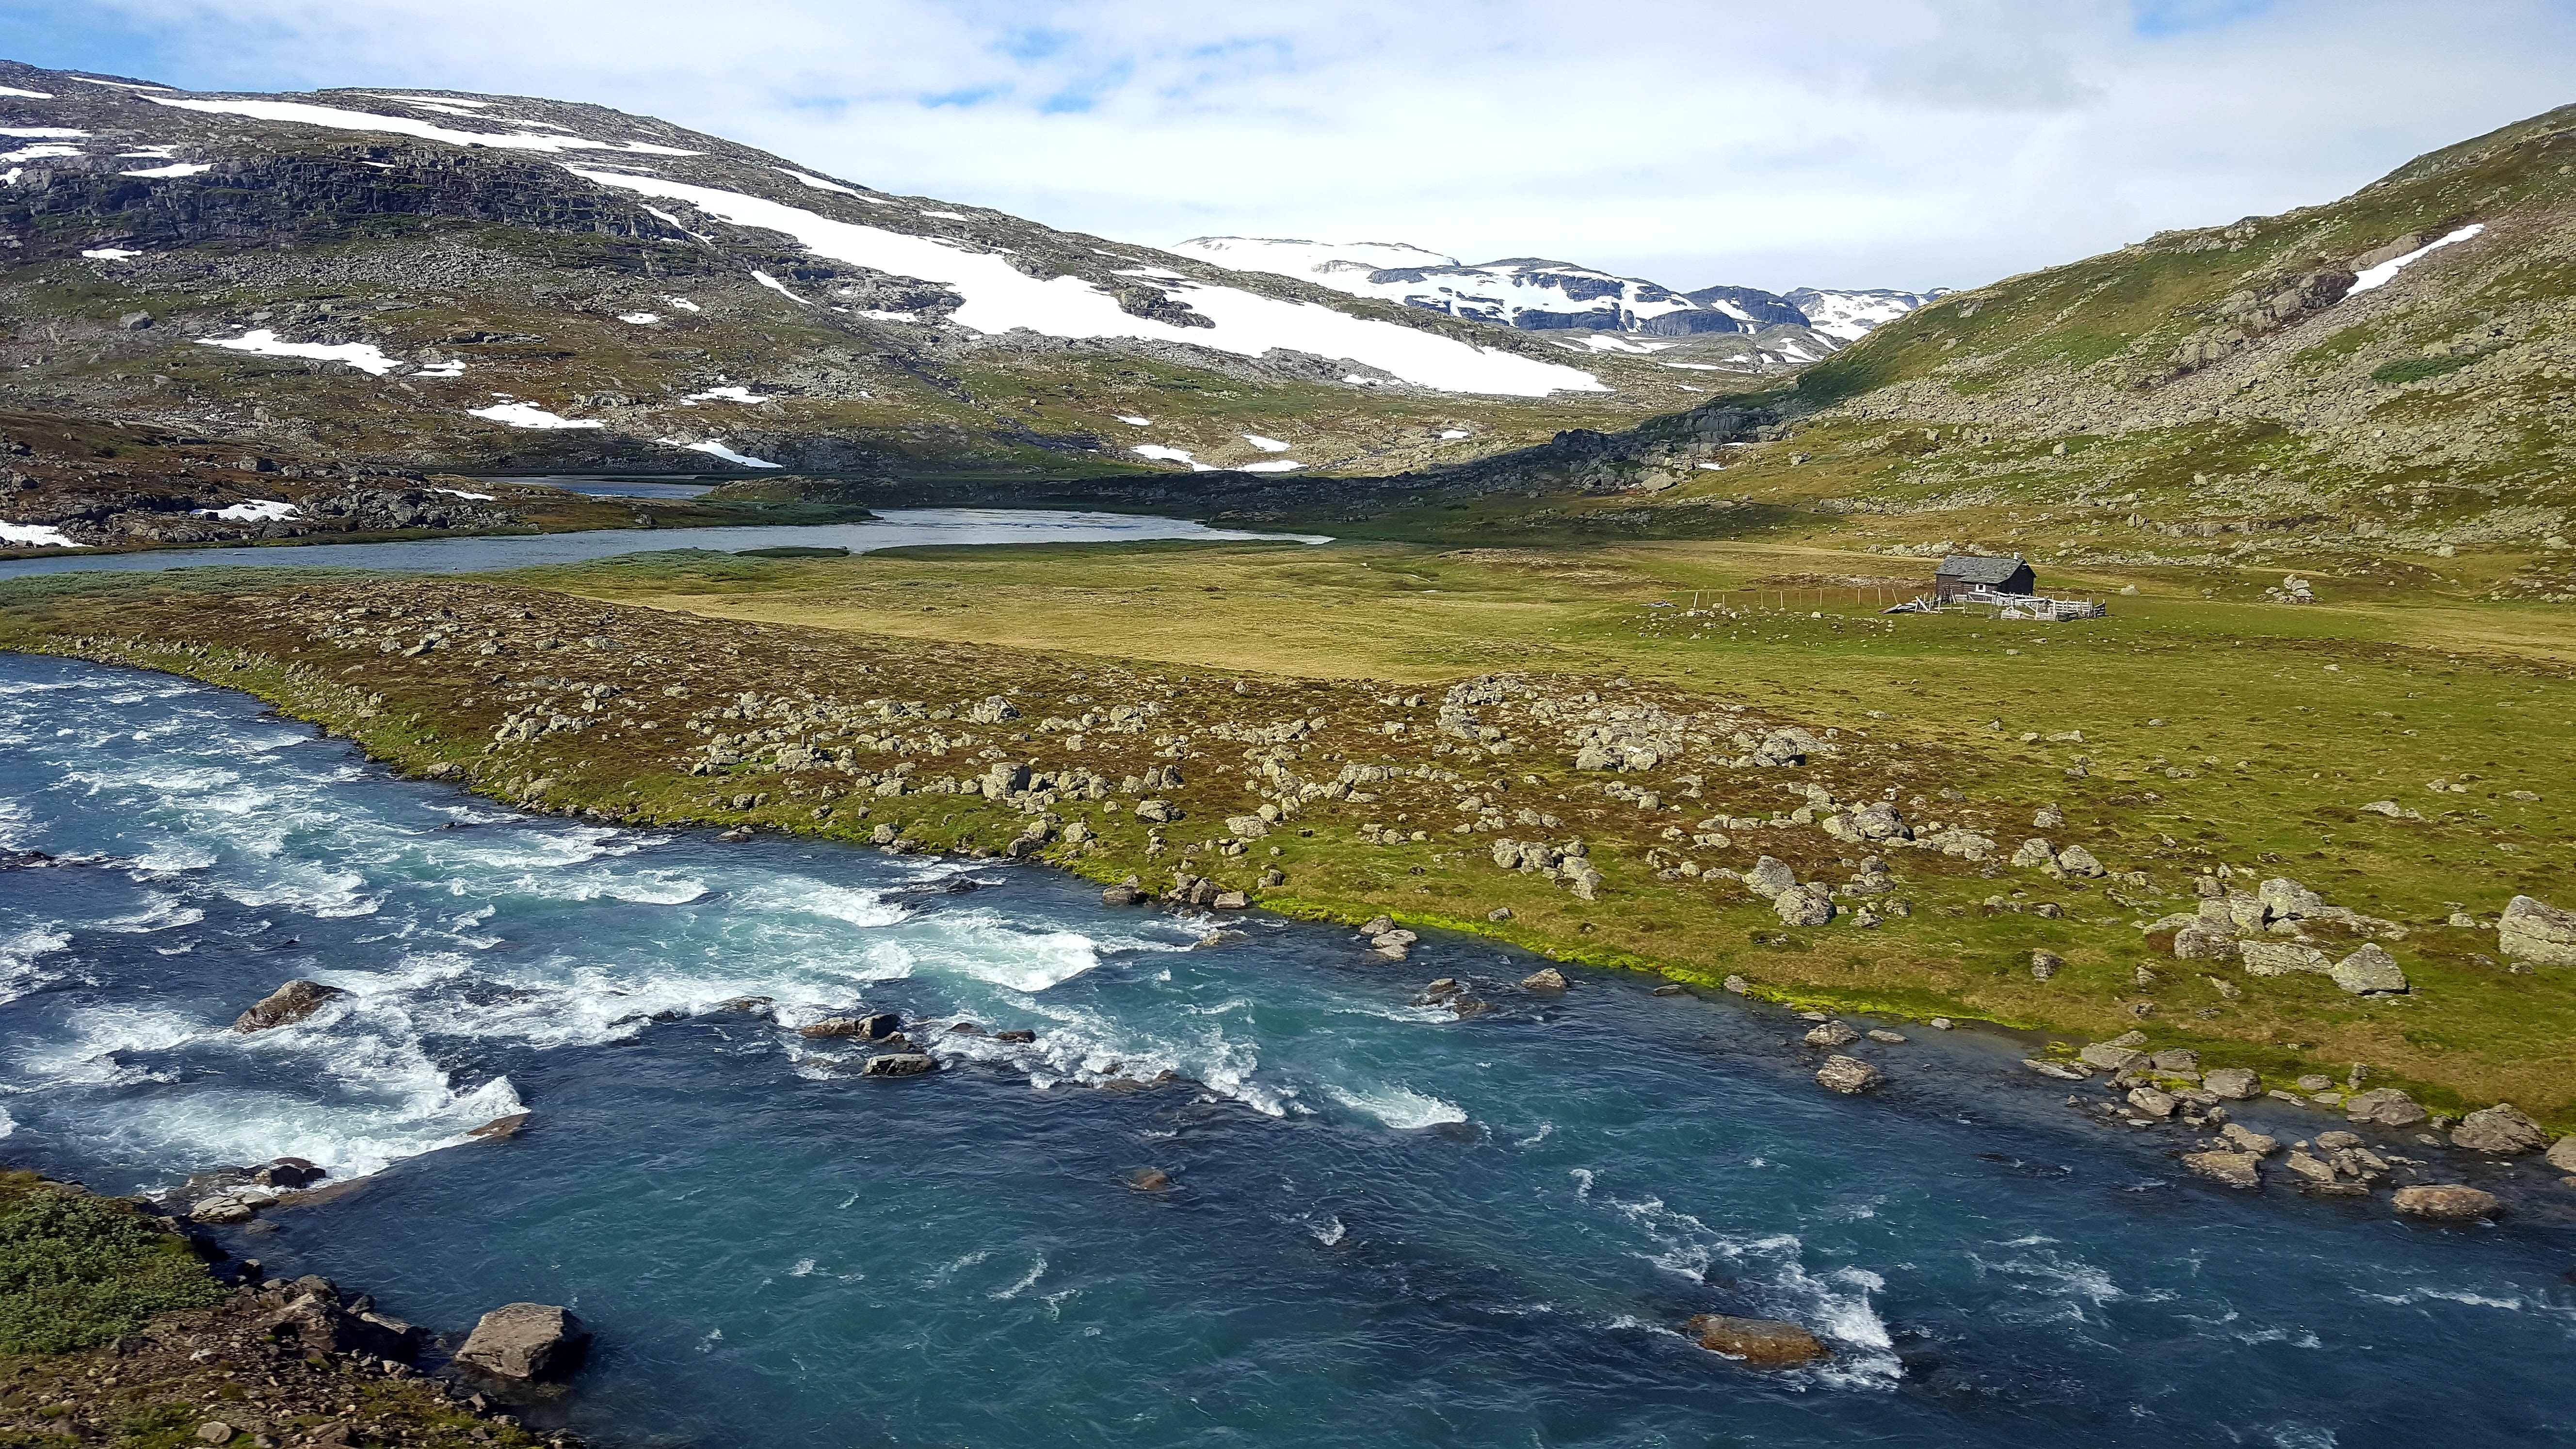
{"points": [[1387, 1226], [894, 528]]}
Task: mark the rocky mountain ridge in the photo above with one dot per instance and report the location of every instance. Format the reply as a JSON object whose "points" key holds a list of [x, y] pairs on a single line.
{"points": [[438, 281]]}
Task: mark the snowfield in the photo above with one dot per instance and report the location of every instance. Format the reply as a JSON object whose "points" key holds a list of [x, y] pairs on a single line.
{"points": [[364, 356], [308, 114], [529, 415], [35, 535], [715, 447], [258, 510], [175, 168], [2381, 275], [999, 298]]}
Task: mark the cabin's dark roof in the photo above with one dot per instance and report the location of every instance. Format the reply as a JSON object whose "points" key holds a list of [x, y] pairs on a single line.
{"points": [[1977, 569]]}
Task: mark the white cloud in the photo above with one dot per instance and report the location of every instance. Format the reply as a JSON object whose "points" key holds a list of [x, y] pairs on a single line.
{"points": [[1900, 143]]}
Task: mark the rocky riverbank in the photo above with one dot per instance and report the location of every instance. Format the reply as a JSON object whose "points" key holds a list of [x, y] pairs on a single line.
{"points": [[120, 1326]]}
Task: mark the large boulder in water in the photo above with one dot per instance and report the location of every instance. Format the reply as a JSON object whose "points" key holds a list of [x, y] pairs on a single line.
{"points": [[287, 1005], [1849, 1075], [1761, 1342], [526, 1341]]}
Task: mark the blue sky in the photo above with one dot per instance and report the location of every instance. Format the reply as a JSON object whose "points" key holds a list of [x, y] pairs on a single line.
{"points": [[1837, 142]]}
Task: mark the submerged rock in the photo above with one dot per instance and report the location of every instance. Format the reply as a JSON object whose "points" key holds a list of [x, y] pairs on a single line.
{"points": [[1761, 1342], [898, 1064], [287, 1005], [526, 1341]]}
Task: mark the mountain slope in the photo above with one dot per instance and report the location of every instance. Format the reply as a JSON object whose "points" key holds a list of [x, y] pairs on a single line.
{"points": [[440, 280], [2386, 377]]}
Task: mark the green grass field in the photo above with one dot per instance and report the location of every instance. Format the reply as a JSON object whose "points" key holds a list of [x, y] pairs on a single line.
{"points": [[2214, 732]]}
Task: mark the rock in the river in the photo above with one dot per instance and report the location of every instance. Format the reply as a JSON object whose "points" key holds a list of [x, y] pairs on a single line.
{"points": [[1833, 1036], [1849, 1075], [1546, 978], [898, 1064], [2370, 971], [2502, 1129], [2236, 1084], [2059, 1070], [2152, 1102], [2247, 1140], [2538, 933], [2236, 1169], [526, 1341], [2447, 1204], [1761, 1342], [287, 1005], [1126, 893], [2383, 1107]]}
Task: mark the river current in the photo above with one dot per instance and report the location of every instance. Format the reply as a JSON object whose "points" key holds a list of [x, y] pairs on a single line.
{"points": [[1385, 1226]]}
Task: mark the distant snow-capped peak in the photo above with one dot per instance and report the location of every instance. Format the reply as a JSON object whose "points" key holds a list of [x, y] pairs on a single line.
{"points": [[1536, 294]]}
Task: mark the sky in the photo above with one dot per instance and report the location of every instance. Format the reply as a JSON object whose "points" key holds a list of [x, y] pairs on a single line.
{"points": [[1840, 143]]}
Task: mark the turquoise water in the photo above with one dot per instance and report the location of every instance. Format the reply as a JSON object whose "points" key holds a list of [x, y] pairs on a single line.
{"points": [[1387, 1226], [894, 528]]}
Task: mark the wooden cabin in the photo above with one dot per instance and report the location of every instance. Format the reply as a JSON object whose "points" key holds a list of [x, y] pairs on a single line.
{"points": [[1961, 573]]}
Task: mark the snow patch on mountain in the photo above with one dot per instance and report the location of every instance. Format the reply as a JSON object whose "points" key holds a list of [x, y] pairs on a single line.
{"points": [[334, 117], [1850, 315], [1000, 298]]}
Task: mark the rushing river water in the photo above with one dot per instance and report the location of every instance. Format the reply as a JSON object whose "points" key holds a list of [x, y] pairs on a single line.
{"points": [[1388, 1227], [893, 528]]}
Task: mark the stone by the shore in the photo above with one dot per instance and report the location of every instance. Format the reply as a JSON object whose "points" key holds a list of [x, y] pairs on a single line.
{"points": [[526, 1341], [287, 1005], [2447, 1204], [1849, 1076], [2236, 1084], [2503, 1129], [2236, 1169], [2247, 1140], [2562, 1154], [2110, 1057], [2383, 1107], [1760, 1342]]}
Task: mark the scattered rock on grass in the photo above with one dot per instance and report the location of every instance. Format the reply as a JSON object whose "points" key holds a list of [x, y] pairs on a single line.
{"points": [[2540, 934]]}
